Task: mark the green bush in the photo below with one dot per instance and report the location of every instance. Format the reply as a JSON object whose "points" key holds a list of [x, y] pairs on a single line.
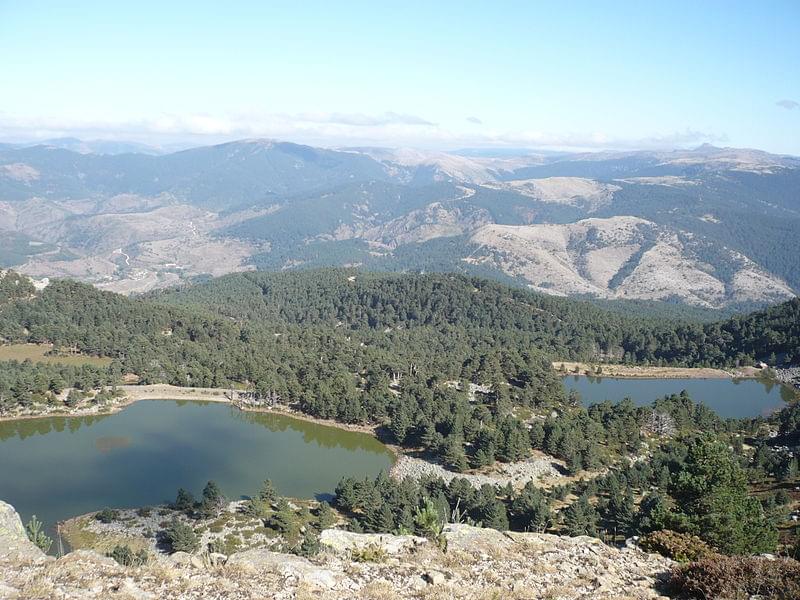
{"points": [[127, 557], [107, 515], [181, 537], [310, 545], [737, 577], [677, 546], [371, 553]]}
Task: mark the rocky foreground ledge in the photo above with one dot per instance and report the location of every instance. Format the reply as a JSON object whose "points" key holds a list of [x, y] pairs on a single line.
{"points": [[478, 563]]}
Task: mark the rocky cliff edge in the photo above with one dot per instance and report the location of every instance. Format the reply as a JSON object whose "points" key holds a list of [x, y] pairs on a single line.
{"points": [[477, 563]]}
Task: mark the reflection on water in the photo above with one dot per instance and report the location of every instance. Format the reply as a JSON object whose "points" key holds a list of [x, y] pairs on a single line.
{"points": [[324, 436], [28, 427], [107, 443], [730, 398], [60, 467]]}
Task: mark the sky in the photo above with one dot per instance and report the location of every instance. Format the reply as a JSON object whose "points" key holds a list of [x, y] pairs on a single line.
{"points": [[439, 75]]}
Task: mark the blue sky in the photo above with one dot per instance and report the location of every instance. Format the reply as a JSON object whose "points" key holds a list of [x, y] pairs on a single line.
{"points": [[427, 74]]}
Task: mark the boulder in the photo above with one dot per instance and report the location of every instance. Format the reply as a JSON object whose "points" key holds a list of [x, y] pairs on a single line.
{"points": [[14, 542], [180, 559], [474, 539], [287, 565], [343, 542]]}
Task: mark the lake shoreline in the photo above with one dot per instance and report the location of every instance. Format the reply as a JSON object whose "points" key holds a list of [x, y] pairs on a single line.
{"points": [[614, 371], [162, 391]]}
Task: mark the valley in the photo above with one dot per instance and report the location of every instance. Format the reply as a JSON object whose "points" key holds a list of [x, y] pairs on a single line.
{"points": [[713, 228], [454, 377]]}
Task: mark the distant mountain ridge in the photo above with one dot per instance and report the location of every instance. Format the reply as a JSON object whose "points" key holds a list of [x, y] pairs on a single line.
{"points": [[722, 224]]}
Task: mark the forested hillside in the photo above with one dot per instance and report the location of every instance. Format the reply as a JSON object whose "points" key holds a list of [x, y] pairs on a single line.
{"points": [[560, 327]]}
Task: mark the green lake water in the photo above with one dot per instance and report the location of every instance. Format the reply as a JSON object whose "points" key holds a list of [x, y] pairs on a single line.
{"points": [[729, 398], [59, 467]]}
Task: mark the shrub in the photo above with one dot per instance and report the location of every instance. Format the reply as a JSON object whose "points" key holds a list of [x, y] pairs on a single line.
{"points": [[127, 557], [371, 553], [36, 535], [737, 577], [310, 545], [216, 546], [144, 511], [181, 537], [677, 546], [107, 515]]}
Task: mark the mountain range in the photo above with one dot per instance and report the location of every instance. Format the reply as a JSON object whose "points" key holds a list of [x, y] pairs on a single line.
{"points": [[709, 227]]}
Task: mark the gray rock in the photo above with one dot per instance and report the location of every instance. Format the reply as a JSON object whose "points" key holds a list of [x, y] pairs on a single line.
{"points": [[287, 565], [180, 559], [14, 542], [474, 539], [10, 522], [197, 562], [346, 541]]}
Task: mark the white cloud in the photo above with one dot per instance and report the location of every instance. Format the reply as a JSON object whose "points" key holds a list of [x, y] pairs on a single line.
{"points": [[788, 104], [474, 120], [329, 129], [362, 120]]}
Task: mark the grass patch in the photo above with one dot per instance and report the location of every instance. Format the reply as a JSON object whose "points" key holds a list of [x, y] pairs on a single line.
{"points": [[76, 533], [38, 353]]}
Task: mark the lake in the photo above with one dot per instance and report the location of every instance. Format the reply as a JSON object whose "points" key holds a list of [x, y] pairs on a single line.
{"points": [[735, 398], [60, 467]]}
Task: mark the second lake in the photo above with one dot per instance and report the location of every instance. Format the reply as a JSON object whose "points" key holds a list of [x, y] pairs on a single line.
{"points": [[729, 398]]}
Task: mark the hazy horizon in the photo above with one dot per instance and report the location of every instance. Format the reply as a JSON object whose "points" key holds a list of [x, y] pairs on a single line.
{"points": [[616, 76]]}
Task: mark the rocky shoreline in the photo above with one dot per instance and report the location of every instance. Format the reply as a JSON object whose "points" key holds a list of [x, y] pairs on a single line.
{"points": [[789, 376]]}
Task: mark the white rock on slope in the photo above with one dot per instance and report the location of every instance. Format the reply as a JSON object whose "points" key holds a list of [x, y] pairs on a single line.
{"points": [[622, 257]]}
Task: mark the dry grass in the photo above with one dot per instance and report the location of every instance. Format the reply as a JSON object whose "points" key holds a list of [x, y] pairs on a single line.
{"points": [[378, 590], [38, 353], [77, 534]]}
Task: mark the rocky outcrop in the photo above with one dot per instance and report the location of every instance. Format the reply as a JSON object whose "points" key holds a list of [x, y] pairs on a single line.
{"points": [[346, 541], [477, 563], [14, 543], [516, 473]]}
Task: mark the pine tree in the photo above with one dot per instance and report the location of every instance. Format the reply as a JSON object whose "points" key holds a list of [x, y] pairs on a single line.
{"points": [[653, 515], [400, 424], [282, 519], [184, 501], [620, 512], [711, 491], [36, 535], [580, 518], [212, 501], [325, 516], [267, 492], [494, 516], [379, 519], [310, 545], [530, 509], [181, 537], [454, 455]]}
